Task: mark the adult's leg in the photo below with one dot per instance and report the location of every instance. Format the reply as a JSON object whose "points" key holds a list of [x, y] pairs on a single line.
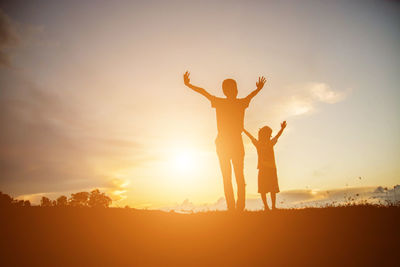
{"points": [[273, 200], [241, 191], [226, 170], [264, 199]]}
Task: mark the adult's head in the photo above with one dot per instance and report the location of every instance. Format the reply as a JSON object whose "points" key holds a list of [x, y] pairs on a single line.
{"points": [[229, 88]]}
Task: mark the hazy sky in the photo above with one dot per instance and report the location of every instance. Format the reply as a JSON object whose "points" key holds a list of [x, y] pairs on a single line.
{"points": [[91, 94]]}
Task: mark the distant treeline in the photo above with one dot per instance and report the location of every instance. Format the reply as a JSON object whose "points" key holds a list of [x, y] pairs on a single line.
{"points": [[94, 199]]}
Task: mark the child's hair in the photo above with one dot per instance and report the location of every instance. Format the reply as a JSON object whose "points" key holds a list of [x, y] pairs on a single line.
{"points": [[229, 88], [264, 132]]}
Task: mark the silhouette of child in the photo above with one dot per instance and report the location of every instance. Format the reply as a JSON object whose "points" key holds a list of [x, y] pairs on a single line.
{"points": [[267, 175]]}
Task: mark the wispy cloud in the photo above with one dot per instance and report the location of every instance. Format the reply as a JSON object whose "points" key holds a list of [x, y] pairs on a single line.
{"points": [[322, 92], [114, 187], [305, 198], [9, 38], [299, 99], [117, 188], [48, 144], [303, 98], [17, 36]]}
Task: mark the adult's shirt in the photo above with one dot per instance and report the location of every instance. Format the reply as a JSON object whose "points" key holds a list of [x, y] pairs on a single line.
{"points": [[230, 115]]}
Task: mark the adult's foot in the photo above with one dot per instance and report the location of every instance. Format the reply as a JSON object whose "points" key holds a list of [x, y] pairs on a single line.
{"points": [[238, 210]]}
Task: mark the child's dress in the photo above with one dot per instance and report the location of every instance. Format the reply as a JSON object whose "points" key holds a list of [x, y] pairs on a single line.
{"points": [[267, 175]]}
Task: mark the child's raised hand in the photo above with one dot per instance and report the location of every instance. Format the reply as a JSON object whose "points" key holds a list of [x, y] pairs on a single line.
{"points": [[283, 125], [186, 78], [261, 82]]}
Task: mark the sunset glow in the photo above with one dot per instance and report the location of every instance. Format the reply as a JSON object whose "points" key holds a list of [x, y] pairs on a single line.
{"points": [[199, 133], [184, 161], [92, 95]]}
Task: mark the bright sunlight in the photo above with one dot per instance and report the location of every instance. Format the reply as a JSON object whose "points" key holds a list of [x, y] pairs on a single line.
{"points": [[184, 161]]}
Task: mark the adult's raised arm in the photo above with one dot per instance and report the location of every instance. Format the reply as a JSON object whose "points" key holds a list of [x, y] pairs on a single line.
{"points": [[260, 85], [186, 80]]}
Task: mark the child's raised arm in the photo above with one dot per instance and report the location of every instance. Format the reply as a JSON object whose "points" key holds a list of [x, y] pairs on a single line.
{"points": [[252, 138], [199, 90], [283, 126]]}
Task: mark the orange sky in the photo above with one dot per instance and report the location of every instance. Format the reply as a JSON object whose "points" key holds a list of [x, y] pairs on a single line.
{"points": [[92, 95]]}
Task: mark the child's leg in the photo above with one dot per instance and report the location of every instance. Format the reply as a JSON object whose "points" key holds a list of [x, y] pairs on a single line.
{"points": [[273, 200], [264, 199]]}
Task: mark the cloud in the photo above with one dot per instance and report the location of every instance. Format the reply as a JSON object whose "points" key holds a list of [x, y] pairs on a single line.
{"points": [[304, 198], [14, 36], [9, 37], [303, 98], [300, 198], [35, 198], [117, 189], [113, 187], [48, 144], [323, 93], [300, 99]]}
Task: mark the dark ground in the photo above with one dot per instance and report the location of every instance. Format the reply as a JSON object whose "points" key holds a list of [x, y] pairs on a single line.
{"points": [[354, 236]]}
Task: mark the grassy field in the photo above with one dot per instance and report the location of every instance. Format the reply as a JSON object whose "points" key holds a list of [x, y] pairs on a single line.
{"points": [[355, 236]]}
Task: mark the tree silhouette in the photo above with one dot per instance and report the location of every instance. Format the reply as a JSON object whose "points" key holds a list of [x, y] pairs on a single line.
{"points": [[46, 202], [79, 199], [5, 200], [94, 199], [18, 203], [98, 199], [8, 201], [62, 201]]}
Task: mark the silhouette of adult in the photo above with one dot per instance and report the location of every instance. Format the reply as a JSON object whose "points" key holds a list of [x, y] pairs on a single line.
{"points": [[229, 144]]}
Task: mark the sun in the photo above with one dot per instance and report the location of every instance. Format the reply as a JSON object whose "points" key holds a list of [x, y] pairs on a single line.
{"points": [[184, 161]]}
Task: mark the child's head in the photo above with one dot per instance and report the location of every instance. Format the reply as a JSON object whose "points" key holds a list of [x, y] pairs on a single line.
{"points": [[264, 133], [229, 88]]}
